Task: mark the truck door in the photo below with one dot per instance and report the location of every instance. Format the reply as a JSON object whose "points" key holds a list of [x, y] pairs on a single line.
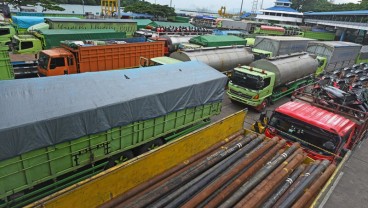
{"points": [[58, 66], [71, 65]]}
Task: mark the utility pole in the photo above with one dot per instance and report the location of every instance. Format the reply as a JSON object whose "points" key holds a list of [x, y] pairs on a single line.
{"points": [[170, 2], [119, 9], [241, 8]]}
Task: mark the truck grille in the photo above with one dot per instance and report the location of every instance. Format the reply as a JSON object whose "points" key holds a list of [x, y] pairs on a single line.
{"points": [[240, 94]]}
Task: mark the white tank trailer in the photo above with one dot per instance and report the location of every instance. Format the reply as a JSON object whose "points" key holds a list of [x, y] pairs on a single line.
{"points": [[175, 41], [221, 58], [288, 68]]}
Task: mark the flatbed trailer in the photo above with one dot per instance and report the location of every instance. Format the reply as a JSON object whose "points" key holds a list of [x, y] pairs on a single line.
{"points": [[122, 180]]}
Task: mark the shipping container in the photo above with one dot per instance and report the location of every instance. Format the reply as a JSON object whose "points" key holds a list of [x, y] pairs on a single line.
{"points": [[339, 54], [68, 128]]}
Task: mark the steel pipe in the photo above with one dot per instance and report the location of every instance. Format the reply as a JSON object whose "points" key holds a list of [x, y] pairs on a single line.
{"points": [[259, 176], [191, 173], [272, 183], [209, 190], [304, 184], [244, 176], [315, 187], [278, 193]]}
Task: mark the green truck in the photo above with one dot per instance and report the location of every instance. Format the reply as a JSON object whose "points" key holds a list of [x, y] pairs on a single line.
{"points": [[119, 25], [7, 31], [69, 128], [47, 38], [267, 80], [6, 68]]}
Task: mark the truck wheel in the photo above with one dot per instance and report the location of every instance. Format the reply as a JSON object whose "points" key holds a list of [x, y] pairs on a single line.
{"points": [[119, 158], [262, 106], [150, 146]]}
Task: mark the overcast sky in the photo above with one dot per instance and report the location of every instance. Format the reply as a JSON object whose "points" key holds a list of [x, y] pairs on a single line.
{"points": [[231, 5]]}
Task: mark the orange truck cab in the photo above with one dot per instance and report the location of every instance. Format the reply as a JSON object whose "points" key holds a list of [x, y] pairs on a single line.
{"points": [[55, 62]]}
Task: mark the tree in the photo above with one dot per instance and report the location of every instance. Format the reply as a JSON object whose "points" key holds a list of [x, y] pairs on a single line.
{"points": [[45, 4], [148, 8]]}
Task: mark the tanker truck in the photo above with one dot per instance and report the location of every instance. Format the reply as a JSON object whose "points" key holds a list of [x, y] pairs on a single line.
{"points": [[171, 42], [267, 80], [224, 59], [73, 58]]}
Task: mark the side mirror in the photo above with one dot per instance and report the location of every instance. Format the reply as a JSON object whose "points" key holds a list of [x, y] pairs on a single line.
{"points": [[329, 145]]}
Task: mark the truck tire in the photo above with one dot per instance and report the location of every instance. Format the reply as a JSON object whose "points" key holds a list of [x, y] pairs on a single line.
{"points": [[119, 158], [262, 106], [149, 146]]}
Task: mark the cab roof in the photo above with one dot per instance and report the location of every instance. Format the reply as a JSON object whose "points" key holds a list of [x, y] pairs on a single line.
{"points": [[56, 52], [317, 117], [255, 71]]}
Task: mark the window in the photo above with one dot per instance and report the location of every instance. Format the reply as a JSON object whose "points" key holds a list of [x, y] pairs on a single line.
{"points": [[4, 31], [26, 45], [56, 62]]}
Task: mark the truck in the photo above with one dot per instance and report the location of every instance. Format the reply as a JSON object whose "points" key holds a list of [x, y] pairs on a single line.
{"points": [[6, 68], [265, 81], [323, 36], [232, 185], [93, 121], [223, 58], [271, 46], [324, 128], [75, 58], [119, 25], [46, 39], [339, 54], [6, 33]]}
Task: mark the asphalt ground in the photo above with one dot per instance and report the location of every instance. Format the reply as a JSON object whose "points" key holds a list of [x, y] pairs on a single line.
{"points": [[351, 188]]}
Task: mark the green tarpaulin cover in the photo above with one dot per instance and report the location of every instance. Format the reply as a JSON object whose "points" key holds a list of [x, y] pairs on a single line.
{"points": [[217, 40], [52, 38]]}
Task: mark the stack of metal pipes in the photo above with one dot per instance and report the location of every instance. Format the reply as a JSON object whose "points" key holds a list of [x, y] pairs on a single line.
{"points": [[247, 171]]}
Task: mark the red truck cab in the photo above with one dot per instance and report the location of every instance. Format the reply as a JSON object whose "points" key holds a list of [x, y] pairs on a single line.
{"points": [[56, 61], [322, 134]]}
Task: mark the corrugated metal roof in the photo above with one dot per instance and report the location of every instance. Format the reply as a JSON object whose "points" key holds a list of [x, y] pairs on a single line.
{"points": [[282, 9], [142, 22], [283, 38], [172, 24], [316, 116], [334, 43], [64, 32], [356, 12], [87, 20]]}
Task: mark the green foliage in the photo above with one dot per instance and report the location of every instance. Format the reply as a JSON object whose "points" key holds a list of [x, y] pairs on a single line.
{"points": [[325, 6], [45, 4], [153, 9]]}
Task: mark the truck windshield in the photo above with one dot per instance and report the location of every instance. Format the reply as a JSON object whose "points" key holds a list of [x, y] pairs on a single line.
{"points": [[4, 31], [310, 136], [249, 81], [43, 60]]}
